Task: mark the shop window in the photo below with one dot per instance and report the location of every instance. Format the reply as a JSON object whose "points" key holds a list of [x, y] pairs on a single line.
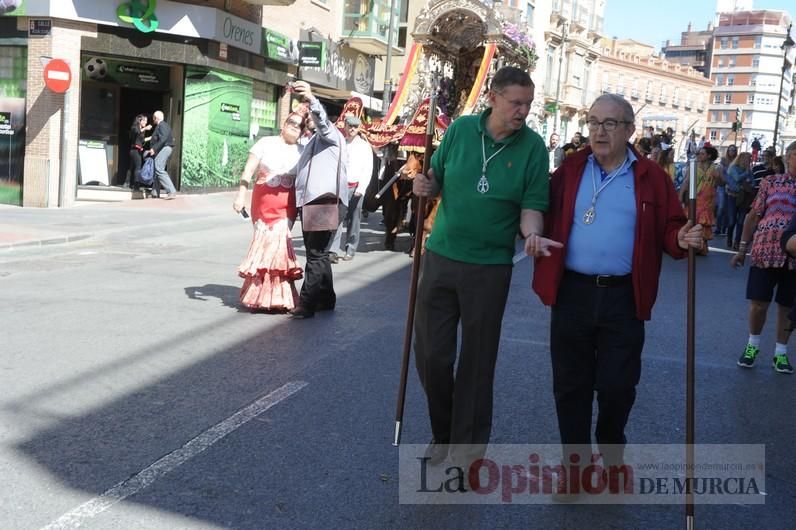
{"points": [[264, 113]]}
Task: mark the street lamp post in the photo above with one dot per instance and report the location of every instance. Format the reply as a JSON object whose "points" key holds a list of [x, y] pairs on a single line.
{"points": [[786, 46], [558, 83], [386, 97]]}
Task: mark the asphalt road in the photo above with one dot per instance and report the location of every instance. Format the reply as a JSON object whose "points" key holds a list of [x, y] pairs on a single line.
{"points": [[135, 393]]}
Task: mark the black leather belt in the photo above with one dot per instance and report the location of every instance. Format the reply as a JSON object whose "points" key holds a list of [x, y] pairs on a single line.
{"points": [[599, 280]]}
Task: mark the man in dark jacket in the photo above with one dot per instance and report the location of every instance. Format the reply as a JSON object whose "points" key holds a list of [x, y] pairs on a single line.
{"points": [[616, 212], [161, 144]]}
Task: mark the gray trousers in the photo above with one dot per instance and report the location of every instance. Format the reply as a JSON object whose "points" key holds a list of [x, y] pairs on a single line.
{"points": [[450, 292], [350, 221], [161, 159]]}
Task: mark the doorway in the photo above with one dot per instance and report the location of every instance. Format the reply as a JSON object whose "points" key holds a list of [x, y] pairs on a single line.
{"points": [[132, 102]]}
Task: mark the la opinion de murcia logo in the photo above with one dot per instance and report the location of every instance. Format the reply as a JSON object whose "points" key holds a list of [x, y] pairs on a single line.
{"points": [[139, 14]]}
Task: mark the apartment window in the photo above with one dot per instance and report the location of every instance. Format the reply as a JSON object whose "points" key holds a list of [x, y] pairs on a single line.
{"points": [[725, 116], [753, 80], [721, 61], [750, 98], [529, 14], [730, 79], [717, 99], [727, 98], [756, 61], [714, 136], [577, 70], [714, 116], [549, 87], [747, 116], [732, 60], [735, 43], [724, 43], [719, 79], [648, 94], [758, 41]]}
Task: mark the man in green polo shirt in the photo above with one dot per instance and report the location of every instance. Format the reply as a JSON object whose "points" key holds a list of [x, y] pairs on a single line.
{"points": [[492, 173]]}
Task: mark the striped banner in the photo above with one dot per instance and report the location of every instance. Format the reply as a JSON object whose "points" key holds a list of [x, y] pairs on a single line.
{"points": [[480, 79], [406, 80]]}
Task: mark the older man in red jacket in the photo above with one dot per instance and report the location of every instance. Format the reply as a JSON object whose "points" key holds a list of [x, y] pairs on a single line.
{"points": [[616, 213]]}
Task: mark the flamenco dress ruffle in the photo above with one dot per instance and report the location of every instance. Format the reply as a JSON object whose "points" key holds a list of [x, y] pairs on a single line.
{"points": [[270, 269]]}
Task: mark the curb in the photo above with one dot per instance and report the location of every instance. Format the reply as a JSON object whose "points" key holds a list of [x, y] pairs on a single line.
{"points": [[45, 242]]}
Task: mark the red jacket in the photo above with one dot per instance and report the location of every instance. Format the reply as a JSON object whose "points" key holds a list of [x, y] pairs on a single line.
{"points": [[659, 216]]}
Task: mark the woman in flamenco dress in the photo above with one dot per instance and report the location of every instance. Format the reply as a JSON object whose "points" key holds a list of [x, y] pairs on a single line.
{"points": [[270, 268]]}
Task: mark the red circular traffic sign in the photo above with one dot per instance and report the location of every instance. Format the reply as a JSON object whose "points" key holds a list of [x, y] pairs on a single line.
{"points": [[57, 75]]}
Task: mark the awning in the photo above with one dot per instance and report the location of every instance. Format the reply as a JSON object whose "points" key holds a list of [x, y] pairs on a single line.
{"points": [[344, 95]]}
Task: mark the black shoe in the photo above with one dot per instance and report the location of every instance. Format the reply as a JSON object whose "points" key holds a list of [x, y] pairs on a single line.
{"points": [[436, 452], [301, 312], [333, 257], [328, 306]]}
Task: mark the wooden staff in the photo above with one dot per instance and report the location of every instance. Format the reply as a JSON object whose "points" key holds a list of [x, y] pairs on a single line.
{"points": [[410, 315], [690, 340]]}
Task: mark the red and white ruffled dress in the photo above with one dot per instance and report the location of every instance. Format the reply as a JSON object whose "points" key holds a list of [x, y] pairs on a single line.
{"points": [[270, 268]]}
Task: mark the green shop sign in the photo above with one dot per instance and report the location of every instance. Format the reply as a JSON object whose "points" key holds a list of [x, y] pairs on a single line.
{"points": [[312, 54], [140, 14], [136, 75], [279, 47]]}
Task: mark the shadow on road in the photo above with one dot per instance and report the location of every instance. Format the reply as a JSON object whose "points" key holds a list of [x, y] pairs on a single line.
{"points": [[226, 294]]}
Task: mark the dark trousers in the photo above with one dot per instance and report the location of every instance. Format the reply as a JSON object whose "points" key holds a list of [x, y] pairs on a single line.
{"points": [[449, 291], [595, 345], [318, 287], [136, 162]]}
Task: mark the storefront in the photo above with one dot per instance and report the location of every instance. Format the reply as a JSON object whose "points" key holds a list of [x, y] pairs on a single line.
{"points": [[13, 72], [203, 67], [344, 72]]}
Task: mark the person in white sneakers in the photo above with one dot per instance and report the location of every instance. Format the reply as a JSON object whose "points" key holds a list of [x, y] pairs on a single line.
{"points": [[772, 210]]}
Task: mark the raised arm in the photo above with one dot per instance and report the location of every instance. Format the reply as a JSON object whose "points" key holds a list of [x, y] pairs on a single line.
{"points": [[325, 128]]}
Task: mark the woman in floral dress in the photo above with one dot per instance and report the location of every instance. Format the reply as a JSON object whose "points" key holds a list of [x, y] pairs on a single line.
{"points": [[708, 176], [270, 269]]}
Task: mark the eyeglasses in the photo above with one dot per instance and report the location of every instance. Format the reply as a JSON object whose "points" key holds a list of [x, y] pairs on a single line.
{"points": [[609, 124], [294, 123], [515, 104]]}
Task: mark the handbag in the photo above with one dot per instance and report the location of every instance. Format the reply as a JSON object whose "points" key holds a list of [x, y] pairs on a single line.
{"points": [[322, 214], [147, 174]]}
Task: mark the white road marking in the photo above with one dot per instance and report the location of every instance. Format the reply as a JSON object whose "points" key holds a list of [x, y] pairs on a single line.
{"points": [[168, 463]]}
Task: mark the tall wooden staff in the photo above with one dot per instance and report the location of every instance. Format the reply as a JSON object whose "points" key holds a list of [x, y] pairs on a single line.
{"points": [[690, 339], [410, 315]]}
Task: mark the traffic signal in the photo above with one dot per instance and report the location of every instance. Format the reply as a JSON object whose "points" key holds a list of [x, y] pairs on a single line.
{"points": [[737, 114], [734, 126]]}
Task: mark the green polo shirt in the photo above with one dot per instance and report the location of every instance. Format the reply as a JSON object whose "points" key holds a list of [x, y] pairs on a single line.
{"points": [[476, 227]]}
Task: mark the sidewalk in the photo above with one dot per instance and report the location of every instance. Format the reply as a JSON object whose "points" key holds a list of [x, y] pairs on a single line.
{"points": [[31, 227]]}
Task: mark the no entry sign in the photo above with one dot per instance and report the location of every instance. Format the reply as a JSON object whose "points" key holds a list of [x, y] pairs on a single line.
{"points": [[57, 76]]}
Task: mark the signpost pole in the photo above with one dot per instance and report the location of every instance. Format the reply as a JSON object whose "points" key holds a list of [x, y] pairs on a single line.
{"points": [[65, 113]]}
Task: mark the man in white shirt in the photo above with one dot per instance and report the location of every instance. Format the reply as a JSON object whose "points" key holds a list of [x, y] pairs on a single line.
{"points": [[359, 170]]}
